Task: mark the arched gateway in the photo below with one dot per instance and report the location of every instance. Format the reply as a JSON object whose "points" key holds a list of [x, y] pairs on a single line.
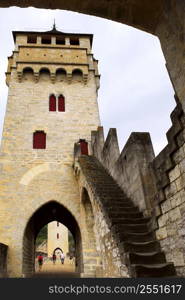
{"points": [[28, 113], [51, 211]]}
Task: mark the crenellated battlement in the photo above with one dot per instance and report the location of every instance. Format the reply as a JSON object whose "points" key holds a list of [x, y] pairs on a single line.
{"points": [[130, 168]]}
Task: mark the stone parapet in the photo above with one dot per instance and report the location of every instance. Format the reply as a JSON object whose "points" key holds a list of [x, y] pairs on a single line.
{"points": [[131, 169]]}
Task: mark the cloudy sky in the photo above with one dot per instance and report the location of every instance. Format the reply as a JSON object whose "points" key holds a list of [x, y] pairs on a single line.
{"points": [[135, 94]]}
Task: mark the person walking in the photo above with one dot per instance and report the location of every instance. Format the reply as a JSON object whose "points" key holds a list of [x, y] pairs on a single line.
{"points": [[62, 258], [40, 261], [54, 258]]}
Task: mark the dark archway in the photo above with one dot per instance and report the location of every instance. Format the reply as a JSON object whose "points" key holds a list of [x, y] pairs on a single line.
{"points": [[57, 249], [51, 211]]}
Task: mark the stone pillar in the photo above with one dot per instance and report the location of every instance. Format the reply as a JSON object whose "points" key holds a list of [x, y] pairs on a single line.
{"points": [[171, 33]]}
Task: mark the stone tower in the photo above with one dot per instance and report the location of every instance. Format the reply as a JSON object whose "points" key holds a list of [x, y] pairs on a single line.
{"points": [[57, 238], [52, 104]]}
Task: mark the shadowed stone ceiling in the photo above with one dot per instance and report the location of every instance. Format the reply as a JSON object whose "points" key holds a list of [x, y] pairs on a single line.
{"points": [[142, 14]]}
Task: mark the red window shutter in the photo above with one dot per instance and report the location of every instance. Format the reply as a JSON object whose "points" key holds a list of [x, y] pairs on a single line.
{"points": [[39, 140], [84, 147], [52, 103], [61, 103]]}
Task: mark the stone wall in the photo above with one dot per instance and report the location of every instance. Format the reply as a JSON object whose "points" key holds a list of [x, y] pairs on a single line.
{"points": [[104, 258], [169, 168], [155, 185], [131, 169], [31, 177], [3, 260]]}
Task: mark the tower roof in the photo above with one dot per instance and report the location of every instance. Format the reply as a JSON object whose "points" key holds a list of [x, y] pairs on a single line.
{"points": [[53, 31]]}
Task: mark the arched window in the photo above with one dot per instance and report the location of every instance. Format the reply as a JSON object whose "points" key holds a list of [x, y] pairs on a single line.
{"points": [[61, 103], [52, 103], [39, 140], [28, 74], [44, 74], [77, 75], [61, 74]]}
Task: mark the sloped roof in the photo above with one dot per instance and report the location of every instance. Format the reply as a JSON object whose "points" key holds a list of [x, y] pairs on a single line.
{"points": [[53, 31]]}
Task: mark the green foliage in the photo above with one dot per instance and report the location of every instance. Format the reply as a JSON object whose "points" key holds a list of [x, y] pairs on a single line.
{"points": [[71, 241], [42, 236]]}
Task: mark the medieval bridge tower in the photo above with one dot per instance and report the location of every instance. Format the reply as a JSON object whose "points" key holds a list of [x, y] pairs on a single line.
{"points": [[125, 210], [52, 103]]}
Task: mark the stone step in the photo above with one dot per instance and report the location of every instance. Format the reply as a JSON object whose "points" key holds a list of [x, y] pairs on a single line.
{"points": [[153, 270], [116, 202], [140, 246], [134, 228], [125, 214], [132, 231], [130, 221], [146, 257], [136, 237], [121, 210], [119, 205]]}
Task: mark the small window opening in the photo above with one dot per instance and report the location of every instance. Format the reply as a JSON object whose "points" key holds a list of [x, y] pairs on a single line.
{"points": [[46, 40], [52, 103], [32, 39], [83, 147], [60, 75], [57, 236], [60, 41], [61, 103], [74, 41], [77, 75], [39, 140]]}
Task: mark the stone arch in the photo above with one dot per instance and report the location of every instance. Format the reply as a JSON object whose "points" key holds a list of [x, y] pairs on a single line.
{"points": [[140, 14], [28, 74], [44, 74], [48, 212], [61, 74], [77, 75], [31, 173], [91, 255], [56, 249]]}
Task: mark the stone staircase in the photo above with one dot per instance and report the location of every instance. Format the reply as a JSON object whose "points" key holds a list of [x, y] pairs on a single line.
{"points": [[133, 232]]}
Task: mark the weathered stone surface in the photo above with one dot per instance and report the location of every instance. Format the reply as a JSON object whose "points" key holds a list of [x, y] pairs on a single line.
{"points": [[30, 178]]}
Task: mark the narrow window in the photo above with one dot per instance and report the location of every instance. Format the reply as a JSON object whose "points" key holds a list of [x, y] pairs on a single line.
{"points": [[84, 147], [52, 103], [39, 140], [60, 41], [32, 39], [57, 236], [74, 41], [57, 224], [61, 103], [46, 40]]}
